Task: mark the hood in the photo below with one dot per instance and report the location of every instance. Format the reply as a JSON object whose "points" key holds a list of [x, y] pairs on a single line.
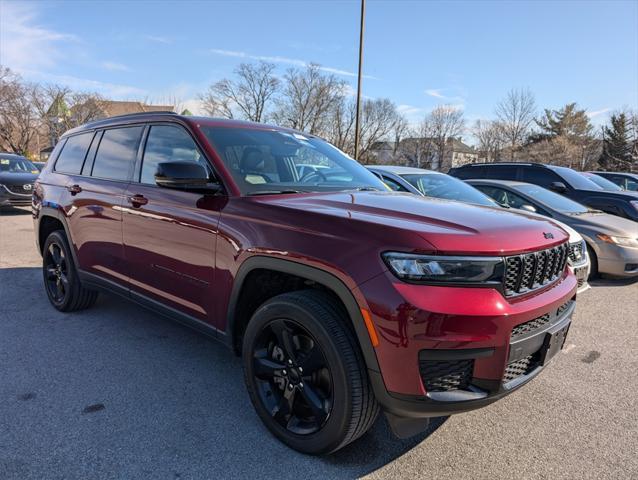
{"points": [[449, 226], [606, 223], [12, 178]]}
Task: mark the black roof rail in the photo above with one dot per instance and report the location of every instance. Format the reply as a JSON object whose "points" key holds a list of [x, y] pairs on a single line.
{"points": [[503, 163], [138, 114], [107, 120]]}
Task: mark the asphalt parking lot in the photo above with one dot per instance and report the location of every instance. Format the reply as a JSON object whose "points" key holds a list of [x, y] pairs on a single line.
{"points": [[116, 392]]}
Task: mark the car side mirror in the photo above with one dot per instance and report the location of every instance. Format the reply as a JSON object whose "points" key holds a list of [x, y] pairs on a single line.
{"points": [[187, 176], [529, 208], [558, 187]]}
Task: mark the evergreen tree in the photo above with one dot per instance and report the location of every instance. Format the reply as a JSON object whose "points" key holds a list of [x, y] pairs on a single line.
{"points": [[617, 145], [568, 122]]}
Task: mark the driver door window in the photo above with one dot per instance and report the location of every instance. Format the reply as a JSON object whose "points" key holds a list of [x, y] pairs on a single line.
{"points": [[168, 143], [395, 186]]}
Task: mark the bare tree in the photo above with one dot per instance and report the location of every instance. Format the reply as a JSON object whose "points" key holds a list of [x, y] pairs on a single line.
{"points": [[400, 131], [378, 121], [418, 148], [489, 134], [446, 122], [248, 96], [18, 118], [341, 126], [516, 113], [307, 99]]}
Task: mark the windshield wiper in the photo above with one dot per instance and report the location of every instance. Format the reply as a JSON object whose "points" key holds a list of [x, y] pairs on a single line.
{"points": [[365, 189], [276, 192]]}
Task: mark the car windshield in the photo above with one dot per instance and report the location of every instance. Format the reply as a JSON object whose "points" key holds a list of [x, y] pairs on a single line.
{"points": [[602, 182], [575, 179], [17, 165], [553, 200], [444, 186], [274, 161]]}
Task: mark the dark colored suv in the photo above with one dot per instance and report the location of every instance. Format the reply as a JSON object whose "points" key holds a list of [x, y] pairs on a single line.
{"points": [[341, 297], [561, 180], [17, 176], [626, 181]]}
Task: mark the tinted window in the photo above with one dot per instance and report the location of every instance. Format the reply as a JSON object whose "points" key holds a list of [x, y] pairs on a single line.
{"points": [[439, 185], [575, 179], [116, 153], [552, 200], [72, 155], [602, 182], [394, 186], [17, 165], [540, 176], [501, 172], [168, 143], [466, 173], [271, 161]]}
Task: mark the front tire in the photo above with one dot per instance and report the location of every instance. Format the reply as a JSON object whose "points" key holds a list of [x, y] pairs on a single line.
{"points": [[305, 374], [61, 281]]}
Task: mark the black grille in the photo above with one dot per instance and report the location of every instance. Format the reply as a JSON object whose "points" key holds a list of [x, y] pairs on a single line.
{"points": [[537, 323], [445, 375], [524, 273], [19, 189], [581, 282], [576, 252], [524, 366]]}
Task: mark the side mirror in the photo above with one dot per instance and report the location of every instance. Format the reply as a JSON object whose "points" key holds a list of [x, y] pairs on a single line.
{"points": [[529, 208], [558, 187], [187, 176]]}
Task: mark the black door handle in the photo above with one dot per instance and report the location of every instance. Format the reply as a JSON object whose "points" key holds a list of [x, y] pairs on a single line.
{"points": [[74, 189], [138, 200]]}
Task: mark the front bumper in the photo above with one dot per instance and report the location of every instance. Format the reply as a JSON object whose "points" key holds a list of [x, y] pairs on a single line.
{"points": [[11, 199], [481, 345], [617, 261]]}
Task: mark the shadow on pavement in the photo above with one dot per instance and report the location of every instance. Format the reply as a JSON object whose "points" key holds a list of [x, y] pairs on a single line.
{"points": [[613, 282], [11, 211], [116, 391]]}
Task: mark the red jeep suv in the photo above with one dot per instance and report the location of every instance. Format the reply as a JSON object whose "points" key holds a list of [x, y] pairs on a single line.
{"points": [[342, 298]]}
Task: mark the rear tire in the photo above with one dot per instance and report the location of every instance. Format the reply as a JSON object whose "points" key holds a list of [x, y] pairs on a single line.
{"points": [[61, 281], [317, 409]]}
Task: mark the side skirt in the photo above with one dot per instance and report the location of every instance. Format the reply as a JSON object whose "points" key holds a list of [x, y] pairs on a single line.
{"points": [[101, 284]]}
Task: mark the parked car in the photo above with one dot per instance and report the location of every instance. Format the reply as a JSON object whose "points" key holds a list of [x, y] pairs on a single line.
{"points": [[612, 241], [341, 297], [17, 176], [439, 185], [561, 180], [601, 182], [626, 181], [39, 165]]}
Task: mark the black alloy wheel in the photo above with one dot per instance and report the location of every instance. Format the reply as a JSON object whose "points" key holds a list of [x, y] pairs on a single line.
{"points": [[293, 378], [56, 270]]}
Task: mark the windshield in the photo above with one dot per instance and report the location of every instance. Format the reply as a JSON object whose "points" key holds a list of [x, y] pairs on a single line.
{"points": [[602, 182], [272, 161], [17, 165], [440, 185], [575, 179], [552, 200]]}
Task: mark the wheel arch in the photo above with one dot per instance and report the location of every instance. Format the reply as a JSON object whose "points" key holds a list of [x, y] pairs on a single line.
{"points": [[306, 272]]}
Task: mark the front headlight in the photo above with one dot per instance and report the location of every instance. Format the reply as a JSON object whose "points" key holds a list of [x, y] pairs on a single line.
{"points": [[438, 268], [620, 241]]}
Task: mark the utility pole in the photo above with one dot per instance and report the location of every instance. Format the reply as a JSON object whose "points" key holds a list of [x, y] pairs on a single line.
{"points": [[357, 124]]}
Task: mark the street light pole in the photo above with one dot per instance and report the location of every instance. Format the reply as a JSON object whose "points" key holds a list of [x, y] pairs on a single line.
{"points": [[358, 113]]}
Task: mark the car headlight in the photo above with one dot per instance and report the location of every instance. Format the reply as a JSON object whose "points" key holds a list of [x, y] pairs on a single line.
{"points": [[443, 269], [579, 253], [621, 241]]}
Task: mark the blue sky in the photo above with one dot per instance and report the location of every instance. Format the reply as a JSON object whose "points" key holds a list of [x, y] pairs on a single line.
{"points": [[417, 53]]}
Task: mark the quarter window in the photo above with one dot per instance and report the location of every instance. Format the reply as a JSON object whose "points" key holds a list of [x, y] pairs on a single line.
{"points": [[73, 153], [116, 153], [167, 143]]}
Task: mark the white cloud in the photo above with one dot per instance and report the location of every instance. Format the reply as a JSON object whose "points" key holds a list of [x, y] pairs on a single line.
{"points": [[282, 60], [408, 109], [455, 94], [434, 92], [158, 39], [109, 90], [114, 66], [23, 43], [597, 113]]}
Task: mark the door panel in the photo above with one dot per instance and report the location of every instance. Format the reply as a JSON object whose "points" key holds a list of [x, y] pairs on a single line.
{"points": [[169, 246]]}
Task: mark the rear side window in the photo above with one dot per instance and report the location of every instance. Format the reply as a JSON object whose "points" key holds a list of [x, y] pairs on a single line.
{"points": [[469, 172], [73, 153], [117, 152], [501, 172], [167, 143], [540, 176]]}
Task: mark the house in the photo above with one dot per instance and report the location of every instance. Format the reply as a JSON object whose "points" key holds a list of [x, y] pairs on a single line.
{"points": [[424, 153], [111, 108]]}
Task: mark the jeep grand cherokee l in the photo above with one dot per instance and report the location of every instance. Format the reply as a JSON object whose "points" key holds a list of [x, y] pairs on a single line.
{"points": [[342, 298]]}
